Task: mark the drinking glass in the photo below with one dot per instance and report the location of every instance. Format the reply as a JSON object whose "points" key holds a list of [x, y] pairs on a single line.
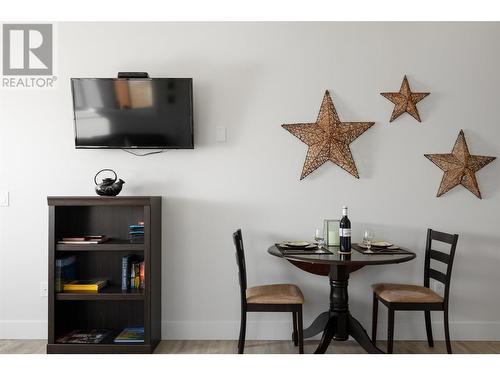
{"points": [[368, 237], [319, 237]]}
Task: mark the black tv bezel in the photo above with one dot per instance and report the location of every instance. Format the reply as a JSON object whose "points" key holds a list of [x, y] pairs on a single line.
{"points": [[135, 147]]}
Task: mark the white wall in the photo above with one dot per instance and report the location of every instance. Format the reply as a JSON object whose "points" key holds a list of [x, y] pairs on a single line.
{"points": [[251, 78]]}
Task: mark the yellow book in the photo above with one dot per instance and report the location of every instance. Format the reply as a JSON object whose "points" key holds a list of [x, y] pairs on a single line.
{"points": [[84, 285]]}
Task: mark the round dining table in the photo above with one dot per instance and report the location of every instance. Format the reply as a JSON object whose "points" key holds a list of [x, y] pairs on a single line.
{"points": [[337, 323]]}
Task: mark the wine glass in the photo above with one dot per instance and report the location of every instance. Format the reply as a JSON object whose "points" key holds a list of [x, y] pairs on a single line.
{"points": [[368, 237], [319, 237]]}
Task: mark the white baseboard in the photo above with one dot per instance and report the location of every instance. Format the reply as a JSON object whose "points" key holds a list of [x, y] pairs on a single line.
{"points": [[272, 330], [267, 330], [23, 329]]}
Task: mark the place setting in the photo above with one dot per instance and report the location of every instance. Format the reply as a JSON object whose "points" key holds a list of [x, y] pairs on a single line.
{"points": [[371, 246], [305, 247]]}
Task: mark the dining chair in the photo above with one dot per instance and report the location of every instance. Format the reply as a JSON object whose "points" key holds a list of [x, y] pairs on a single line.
{"points": [[416, 297], [263, 298]]}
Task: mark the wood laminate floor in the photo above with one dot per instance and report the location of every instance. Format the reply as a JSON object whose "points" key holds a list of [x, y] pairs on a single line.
{"points": [[274, 347]]}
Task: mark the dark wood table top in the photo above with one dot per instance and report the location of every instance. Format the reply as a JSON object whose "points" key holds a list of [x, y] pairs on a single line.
{"points": [[354, 259]]}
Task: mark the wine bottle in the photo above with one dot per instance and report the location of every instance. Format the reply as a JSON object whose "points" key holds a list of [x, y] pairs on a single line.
{"points": [[345, 232]]}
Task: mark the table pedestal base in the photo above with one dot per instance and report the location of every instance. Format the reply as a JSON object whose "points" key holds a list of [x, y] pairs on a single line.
{"points": [[339, 329], [337, 323], [317, 326]]}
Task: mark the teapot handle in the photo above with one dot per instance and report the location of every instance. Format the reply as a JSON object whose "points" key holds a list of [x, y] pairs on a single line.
{"points": [[103, 170]]}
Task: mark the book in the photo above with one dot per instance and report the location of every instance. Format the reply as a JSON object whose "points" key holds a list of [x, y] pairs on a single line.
{"points": [[64, 272], [130, 335], [125, 272], [84, 285], [141, 275], [126, 268], [135, 272], [92, 336], [83, 240], [139, 239], [132, 272], [136, 227], [136, 232]]}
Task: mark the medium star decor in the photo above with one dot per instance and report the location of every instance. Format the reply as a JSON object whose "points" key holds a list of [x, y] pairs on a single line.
{"points": [[328, 139], [459, 167], [405, 101]]}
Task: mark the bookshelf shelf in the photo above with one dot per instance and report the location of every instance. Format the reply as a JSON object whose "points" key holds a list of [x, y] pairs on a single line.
{"points": [[100, 348], [112, 245], [110, 308], [109, 293]]}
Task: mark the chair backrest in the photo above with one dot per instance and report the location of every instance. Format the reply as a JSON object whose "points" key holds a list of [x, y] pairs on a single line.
{"points": [[240, 261], [447, 259]]}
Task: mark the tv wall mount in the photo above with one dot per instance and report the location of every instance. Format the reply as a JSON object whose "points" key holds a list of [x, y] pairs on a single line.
{"points": [[132, 75]]}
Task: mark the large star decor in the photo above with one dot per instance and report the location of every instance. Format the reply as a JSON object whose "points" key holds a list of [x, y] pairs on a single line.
{"points": [[405, 101], [459, 167], [328, 139]]}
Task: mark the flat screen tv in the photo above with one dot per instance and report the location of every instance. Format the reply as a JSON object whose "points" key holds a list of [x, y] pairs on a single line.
{"points": [[133, 113]]}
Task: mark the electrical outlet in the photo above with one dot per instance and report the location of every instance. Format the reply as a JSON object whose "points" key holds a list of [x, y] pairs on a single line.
{"points": [[44, 289], [4, 198], [220, 135]]}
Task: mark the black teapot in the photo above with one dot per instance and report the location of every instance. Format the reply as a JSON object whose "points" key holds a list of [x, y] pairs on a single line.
{"points": [[109, 187]]}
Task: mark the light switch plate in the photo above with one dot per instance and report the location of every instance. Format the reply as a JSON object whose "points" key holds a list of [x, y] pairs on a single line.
{"points": [[220, 135], [44, 289], [4, 198]]}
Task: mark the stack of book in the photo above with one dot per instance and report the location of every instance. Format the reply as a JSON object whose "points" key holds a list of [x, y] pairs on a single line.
{"points": [[65, 271], [83, 240], [130, 335], [94, 285], [90, 336], [136, 232], [132, 272]]}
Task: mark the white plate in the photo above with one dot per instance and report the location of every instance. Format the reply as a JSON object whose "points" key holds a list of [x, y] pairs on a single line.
{"points": [[381, 244], [311, 246], [297, 243], [378, 244]]}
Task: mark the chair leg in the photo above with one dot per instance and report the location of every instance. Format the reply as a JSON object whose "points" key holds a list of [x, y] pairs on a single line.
{"points": [[374, 319], [428, 328], [300, 331], [295, 337], [243, 328], [447, 331], [390, 331]]}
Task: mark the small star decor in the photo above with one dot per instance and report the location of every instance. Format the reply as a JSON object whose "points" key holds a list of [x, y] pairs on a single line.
{"points": [[405, 101], [459, 167], [328, 139]]}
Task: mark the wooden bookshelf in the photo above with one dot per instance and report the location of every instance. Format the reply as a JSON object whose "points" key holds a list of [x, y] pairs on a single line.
{"points": [[110, 308]]}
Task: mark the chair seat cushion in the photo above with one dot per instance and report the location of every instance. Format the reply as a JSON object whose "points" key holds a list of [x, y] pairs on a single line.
{"points": [[406, 293], [275, 294]]}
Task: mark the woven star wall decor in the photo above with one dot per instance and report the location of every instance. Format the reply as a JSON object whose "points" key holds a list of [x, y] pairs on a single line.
{"points": [[459, 167], [405, 101], [328, 138]]}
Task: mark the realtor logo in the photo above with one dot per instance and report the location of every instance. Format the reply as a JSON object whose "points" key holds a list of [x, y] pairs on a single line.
{"points": [[27, 49], [28, 56]]}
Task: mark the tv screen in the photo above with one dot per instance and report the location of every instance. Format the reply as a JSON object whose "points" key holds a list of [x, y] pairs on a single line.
{"points": [[133, 113]]}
